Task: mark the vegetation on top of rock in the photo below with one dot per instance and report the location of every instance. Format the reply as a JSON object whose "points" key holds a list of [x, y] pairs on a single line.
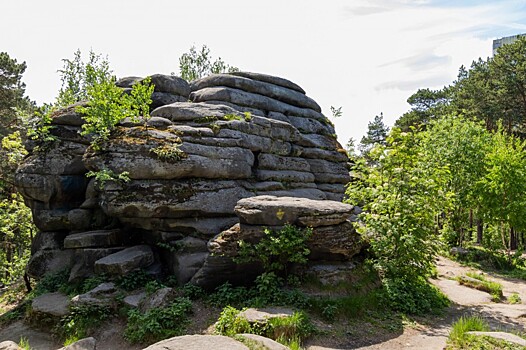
{"points": [[199, 63]]}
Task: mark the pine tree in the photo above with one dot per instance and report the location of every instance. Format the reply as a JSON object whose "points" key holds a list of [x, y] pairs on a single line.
{"points": [[376, 134]]}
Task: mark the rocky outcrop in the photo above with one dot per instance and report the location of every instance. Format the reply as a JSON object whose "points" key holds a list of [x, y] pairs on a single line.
{"points": [[208, 145]]}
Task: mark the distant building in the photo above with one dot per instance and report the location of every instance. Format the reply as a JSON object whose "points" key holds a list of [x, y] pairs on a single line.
{"points": [[503, 41]]}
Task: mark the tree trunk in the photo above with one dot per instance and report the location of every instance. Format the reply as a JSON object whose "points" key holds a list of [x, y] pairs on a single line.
{"points": [[480, 230], [513, 239]]}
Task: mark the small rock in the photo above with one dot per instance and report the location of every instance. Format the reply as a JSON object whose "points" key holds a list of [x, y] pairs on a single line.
{"points": [[512, 338], [262, 315], [103, 294], [134, 300], [160, 298], [125, 261]]}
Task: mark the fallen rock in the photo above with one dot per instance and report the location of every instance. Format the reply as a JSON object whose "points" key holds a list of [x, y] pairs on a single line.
{"points": [[102, 295], [134, 299], [53, 304], [125, 261], [198, 342], [82, 344]]}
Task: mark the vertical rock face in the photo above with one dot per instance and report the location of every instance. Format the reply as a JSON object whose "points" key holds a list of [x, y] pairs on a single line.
{"points": [[208, 145]]}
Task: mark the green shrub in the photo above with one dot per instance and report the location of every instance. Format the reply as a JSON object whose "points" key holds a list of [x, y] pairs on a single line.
{"points": [[412, 296], [81, 320], [158, 323], [230, 323], [277, 249]]}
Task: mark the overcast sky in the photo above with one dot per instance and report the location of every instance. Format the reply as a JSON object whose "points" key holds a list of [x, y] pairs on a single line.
{"points": [[366, 56]]}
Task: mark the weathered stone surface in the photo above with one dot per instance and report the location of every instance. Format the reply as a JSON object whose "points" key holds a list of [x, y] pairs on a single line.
{"points": [[125, 261], [48, 241], [163, 98], [264, 342], [185, 265], [160, 298], [48, 261], [332, 273], [171, 84], [53, 304], [304, 125], [198, 342], [277, 92], [187, 111], [244, 98], [206, 226], [69, 115], [270, 79], [92, 239], [82, 344], [127, 82], [134, 299], [275, 162], [276, 211], [103, 294], [82, 266], [285, 176], [218, 269]]}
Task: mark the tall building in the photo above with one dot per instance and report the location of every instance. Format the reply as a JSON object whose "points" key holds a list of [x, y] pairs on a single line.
{"points": [[503, 41]]}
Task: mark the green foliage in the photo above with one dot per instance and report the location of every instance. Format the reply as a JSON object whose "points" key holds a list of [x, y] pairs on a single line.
{"points": [[152, 286], [81, 320], [158, 323], [400, 196], [12, 90], [277, 249], [133, 280], [105, 175], [286, 330], [197, 64], [193, 292], [336, 112], [169, 153], [412, 296], [376, 135], [78, 77], [514, 298], [16, 230]]}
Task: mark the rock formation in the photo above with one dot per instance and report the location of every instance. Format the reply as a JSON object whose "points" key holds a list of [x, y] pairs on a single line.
{"points": [[208, 145]]}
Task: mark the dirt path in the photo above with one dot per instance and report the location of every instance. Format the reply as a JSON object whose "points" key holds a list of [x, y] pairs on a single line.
{"points": [[466, 301]]}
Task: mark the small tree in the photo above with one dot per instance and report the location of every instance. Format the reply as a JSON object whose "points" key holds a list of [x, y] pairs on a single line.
{"points": [[376, 135], [197, 64]]}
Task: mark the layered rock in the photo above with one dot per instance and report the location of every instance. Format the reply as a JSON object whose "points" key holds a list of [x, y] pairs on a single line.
{"points": [[208, 145]]}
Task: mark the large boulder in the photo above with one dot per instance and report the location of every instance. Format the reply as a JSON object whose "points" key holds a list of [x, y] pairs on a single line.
{"points": [[208, 145]]}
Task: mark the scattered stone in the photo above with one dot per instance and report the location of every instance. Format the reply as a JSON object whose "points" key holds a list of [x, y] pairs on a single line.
{"points": [[54, 304], [103, 294], [198, 342], [125, 261]]}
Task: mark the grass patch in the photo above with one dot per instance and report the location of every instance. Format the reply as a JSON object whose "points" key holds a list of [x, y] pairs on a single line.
{"points": [[480, 282], [460, 339]]}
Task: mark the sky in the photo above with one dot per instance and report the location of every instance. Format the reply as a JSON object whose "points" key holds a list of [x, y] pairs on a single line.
{"points": [[366, 56]]}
